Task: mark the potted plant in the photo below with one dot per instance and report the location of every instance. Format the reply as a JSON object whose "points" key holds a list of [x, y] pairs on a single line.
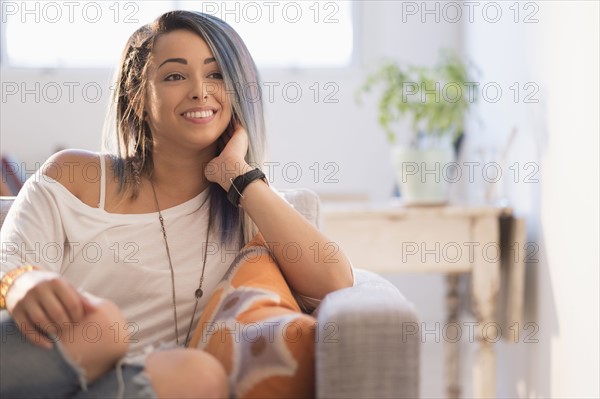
{"points": [[436, 100]]}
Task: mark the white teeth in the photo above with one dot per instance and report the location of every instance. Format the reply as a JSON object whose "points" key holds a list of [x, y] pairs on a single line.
{"points": [[198, 114]]}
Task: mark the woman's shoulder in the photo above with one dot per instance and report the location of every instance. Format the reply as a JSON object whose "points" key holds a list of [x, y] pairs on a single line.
{"points": [[79, 171]]}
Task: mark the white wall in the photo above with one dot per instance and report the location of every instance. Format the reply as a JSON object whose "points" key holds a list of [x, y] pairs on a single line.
{"points": [[559, 54]]}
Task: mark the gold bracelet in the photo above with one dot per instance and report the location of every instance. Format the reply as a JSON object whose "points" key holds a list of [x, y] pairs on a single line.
{"points": [[9, 278]]}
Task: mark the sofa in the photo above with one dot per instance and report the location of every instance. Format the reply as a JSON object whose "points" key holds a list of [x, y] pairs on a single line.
{"points": [[374, 355]]}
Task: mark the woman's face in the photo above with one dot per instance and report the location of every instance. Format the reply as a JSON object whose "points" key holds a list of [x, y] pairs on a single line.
{"points": [[187, 104]]}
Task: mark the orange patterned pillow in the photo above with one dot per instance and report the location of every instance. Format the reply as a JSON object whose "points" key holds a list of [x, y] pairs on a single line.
{"points": [[254, 326]]}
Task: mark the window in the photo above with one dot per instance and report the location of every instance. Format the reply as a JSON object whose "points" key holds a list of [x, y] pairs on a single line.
{"points": [[299, 34]]}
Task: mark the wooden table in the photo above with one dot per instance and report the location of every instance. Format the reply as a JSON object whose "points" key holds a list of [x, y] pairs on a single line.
{"points": [[485, 241]]}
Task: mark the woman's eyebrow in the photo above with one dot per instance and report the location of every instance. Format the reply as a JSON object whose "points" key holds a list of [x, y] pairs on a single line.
{"points": [[184, 61], [178, 60]]}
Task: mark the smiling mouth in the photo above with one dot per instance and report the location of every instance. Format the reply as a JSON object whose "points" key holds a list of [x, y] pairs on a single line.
{"points": [[198, 114]]}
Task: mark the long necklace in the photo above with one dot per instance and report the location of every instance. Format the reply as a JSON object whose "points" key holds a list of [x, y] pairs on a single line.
{"points": [[198, 293]]}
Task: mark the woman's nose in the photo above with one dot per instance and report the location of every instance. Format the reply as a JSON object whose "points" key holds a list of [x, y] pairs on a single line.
{"points": [[202, 90]]}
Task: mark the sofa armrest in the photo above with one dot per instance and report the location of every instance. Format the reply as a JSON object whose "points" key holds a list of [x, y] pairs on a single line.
{"points": [[367, 342], [5, 204]]}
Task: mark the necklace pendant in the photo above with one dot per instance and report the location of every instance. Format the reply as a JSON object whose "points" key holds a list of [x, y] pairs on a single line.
{"points": [[198, 293]]}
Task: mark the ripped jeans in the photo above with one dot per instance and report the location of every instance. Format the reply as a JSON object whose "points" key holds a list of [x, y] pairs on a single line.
{"points": [[29, 371]]}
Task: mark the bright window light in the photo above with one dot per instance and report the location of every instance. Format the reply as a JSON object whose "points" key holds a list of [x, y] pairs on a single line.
{"points": [[72, 33], [92, 34]]}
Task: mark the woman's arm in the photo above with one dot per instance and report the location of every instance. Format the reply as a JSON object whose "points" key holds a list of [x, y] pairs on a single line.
{"points": [[312, 264], [32, 228]]}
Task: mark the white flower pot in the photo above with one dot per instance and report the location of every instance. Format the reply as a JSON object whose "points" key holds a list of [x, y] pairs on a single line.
{"points": [[422, 175]]}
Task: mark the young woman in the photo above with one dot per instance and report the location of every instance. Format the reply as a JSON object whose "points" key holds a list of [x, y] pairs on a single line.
{"points": [[133, 242]]}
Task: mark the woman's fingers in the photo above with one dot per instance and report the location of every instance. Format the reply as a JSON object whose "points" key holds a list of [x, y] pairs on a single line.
{"points": [[30, 321], [59, 300], [231, 160], [239, 141], [49, 310], [68, 300], [235, 142]]}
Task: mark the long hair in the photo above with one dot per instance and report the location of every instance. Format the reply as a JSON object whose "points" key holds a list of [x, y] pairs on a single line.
{"points": [[128, 136]]}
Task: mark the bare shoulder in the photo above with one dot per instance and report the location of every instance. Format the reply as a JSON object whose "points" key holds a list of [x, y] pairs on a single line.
{"points": [[77, 170]]}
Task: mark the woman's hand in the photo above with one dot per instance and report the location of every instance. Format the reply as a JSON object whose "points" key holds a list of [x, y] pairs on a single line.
{"points": [[49, 307], [230, 163]]}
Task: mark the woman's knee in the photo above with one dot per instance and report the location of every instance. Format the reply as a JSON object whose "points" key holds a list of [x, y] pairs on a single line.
{"points": [[88, 346], [93, 343], [186, 373]]}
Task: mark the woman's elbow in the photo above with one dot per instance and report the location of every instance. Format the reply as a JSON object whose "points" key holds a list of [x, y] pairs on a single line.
{"points": [[343, 277]]}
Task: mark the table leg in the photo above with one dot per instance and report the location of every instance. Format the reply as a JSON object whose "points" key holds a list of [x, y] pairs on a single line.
{"points": [[485, 287], [451, 345]]}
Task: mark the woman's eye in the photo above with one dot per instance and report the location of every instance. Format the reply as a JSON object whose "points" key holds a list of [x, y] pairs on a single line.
{"points": [[174, 76], [216, 75]]}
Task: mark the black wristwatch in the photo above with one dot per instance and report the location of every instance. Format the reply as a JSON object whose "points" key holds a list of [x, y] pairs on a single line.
{"points": [[239, 184]]}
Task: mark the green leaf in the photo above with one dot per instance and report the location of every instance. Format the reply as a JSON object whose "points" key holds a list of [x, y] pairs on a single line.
{"points": [[407, 93]]}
